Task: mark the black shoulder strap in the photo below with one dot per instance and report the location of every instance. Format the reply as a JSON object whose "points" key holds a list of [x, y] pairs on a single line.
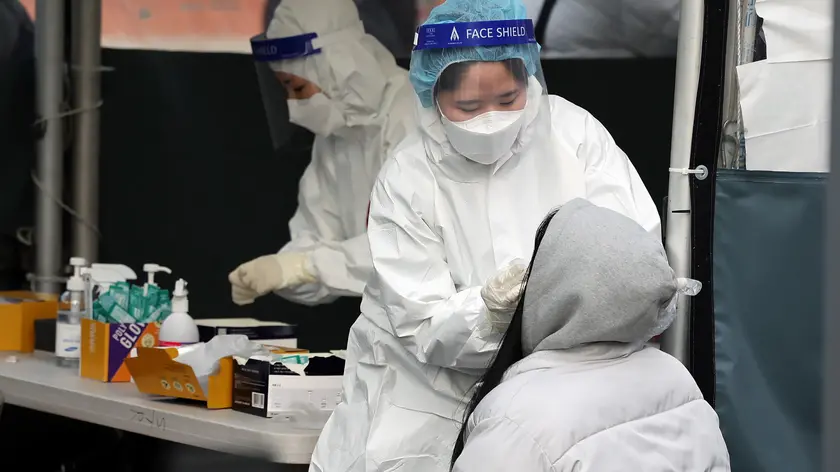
{"points": [[542, 20]]}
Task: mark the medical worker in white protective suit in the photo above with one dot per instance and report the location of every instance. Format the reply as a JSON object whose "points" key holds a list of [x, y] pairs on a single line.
{"points": [[345, 87], [574, 387], [452, 220]]}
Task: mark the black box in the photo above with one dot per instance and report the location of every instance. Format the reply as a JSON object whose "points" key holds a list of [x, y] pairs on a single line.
{"points": [[270, 388]]}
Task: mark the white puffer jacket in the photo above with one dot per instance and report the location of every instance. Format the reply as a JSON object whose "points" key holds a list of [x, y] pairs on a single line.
{"points": [[589, 396], [595, 409]]}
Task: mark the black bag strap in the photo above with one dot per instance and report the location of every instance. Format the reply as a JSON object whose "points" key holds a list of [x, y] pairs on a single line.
{"points": [[542, 20]]}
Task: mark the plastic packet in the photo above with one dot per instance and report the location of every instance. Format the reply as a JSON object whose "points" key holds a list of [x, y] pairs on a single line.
{"points": [[163, 298], [120, 315], [292, 359], [151, 301], [162, 308], [121, 292], [105, 302], [137, 303], [100, 312], [160, 313]]}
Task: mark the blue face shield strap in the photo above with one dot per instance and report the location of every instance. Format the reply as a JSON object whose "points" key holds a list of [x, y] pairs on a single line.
{"points": [[281, 49], [474, 34]]}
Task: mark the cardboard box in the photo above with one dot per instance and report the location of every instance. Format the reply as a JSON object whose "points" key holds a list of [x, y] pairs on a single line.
{"points": [[265, 332], [105, 347], [270, 388], [18, 313], [156, 371]]}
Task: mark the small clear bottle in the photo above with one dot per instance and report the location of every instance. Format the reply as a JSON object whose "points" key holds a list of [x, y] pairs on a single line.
{"points": [[68, 326]]}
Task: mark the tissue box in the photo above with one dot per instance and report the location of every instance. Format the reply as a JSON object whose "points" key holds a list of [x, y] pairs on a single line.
{"points": [[18, 313], [269, 388], [266, 332], [156, 371], [105, 347]]}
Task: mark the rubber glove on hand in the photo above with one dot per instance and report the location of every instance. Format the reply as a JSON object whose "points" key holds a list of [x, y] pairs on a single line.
{"points": [[269, 273], [501, 295]]}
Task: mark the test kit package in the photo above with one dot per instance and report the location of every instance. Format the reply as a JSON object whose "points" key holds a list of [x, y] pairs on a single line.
{"points": [[160, 372], [287, 381], [19, 312], [268, 333], [105, 347], [201, 371]]}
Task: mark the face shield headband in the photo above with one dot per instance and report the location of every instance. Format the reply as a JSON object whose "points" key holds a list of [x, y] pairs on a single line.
{"points": [[474, 34], [300, 46], [283, 49]]}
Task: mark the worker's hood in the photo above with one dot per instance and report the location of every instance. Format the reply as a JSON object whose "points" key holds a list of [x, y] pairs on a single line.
{"points": [[353, 69], [597, 276]]}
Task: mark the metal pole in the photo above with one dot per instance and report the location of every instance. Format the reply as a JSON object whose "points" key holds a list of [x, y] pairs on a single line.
{"points": [[86, 67], [678, 228], [831, 336], [49, 46], [730, 143]]}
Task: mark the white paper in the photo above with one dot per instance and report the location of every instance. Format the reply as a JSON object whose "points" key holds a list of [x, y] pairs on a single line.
{"points": [[797, 30], [786, 111], [204, 357]]}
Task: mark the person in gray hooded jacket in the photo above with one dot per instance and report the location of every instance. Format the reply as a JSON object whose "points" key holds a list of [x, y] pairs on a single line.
{"points": [[575, 387]]}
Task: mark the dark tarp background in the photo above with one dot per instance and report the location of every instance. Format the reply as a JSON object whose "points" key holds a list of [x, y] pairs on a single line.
{"points": [[768, 295], [17, 146]]}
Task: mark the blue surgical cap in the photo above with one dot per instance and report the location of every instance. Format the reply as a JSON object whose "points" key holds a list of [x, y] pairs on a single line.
{"points": [[427, 64]]}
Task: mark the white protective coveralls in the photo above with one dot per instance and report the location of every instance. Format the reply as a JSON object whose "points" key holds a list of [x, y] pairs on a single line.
{"points": [[375, 101], [589, 395], [440, 226]]}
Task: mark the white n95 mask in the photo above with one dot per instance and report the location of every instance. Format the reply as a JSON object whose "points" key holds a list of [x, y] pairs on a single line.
{"points": [[485, 138], [317, 114]]}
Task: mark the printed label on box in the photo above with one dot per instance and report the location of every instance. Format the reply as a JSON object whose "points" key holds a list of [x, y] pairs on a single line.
{"points": [[124, 338], [270, 389], [105, 346]]}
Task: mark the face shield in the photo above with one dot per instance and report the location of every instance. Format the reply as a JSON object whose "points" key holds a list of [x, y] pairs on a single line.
{"points": [[272, 51], [484, 82]]}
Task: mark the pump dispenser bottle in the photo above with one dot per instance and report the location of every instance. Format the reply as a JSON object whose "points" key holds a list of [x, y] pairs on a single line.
{"points": [[179, 329], [68, 325], [151, 269]]}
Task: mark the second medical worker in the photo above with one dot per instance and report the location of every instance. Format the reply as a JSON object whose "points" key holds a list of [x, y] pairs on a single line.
{"points": [[452, 222], [346, 88]]}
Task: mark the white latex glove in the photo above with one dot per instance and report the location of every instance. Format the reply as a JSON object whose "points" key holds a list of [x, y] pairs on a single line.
{"points": [[501, 295], [269, 273]]}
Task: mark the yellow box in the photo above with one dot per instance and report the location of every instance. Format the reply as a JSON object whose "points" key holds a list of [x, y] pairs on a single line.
{"points": [[17, 320], [156, 371], [106, 346]]}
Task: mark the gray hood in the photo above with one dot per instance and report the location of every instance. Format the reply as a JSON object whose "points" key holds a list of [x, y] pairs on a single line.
{"points": [[597, 277]]}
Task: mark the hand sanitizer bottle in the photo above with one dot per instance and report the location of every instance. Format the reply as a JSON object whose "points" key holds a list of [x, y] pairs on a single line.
{"points": [[68, 326], [179, 329], [151, 269]]}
